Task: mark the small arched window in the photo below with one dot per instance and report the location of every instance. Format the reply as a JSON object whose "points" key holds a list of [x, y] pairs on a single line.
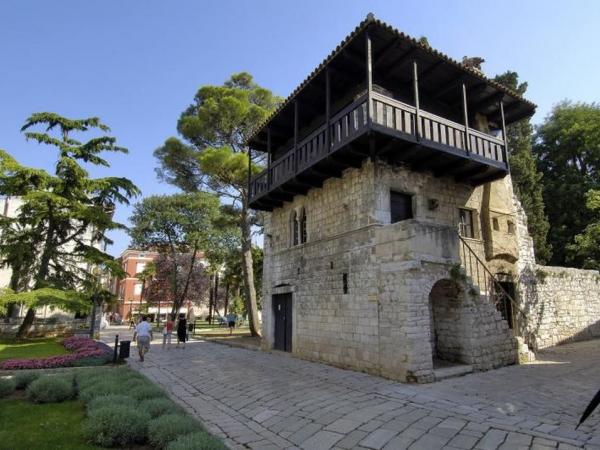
{"points": [[303, 233], [294, 226]]}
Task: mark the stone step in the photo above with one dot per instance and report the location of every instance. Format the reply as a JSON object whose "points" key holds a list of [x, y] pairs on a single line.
{"points": [[458, 370]]}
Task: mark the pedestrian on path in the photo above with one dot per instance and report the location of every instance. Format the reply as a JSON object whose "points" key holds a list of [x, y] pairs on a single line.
{"points": [[181, 330], [143, 332], [168, 331]]}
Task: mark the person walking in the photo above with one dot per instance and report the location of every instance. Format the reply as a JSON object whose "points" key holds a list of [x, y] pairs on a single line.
{"points": [[168, 331], [181, 330], [143, 332]]}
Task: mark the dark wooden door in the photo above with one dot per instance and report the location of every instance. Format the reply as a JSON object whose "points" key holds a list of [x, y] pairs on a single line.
{"points": [[504, 305], [282, 313]]}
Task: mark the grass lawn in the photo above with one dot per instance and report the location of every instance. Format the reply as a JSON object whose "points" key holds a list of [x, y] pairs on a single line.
{"points": [[31, 348], [51, 426]]}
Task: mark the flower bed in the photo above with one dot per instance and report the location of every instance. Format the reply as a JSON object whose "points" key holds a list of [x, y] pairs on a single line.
{"points": [[85, 351]]}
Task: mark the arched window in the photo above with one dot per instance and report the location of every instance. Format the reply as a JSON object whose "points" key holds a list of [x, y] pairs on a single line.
{"points": [[303, 234], [294, 225]]}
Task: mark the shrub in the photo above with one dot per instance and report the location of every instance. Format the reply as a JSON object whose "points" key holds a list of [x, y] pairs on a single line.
{"points": [[111, 399], [7, 386], [50, 389], [116, 426], [99, 389], [196, 441], [159, 406], [24, 379], [145, 391], [167, 428]]}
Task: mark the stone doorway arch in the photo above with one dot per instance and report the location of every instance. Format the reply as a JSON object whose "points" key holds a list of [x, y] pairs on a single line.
{"points": [[447, 330]]}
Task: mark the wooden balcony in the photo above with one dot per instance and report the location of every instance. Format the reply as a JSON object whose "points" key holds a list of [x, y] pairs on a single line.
{"points": [[397, 132]]}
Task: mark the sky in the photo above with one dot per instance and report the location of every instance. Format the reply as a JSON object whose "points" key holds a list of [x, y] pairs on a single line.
{"points": [[137, 64]]}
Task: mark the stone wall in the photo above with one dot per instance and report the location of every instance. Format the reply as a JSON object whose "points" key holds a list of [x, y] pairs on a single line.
{"points": [[560, 304], [382, 323]]}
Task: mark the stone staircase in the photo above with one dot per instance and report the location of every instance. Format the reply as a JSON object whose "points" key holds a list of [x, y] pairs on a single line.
{"points": [[484, 284]]}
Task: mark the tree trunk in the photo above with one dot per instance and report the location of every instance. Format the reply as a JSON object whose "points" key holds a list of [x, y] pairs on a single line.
{"points": [[248, 271], [40, 278], [26, 324], [210, 301], [216, 296], [226, 301]]}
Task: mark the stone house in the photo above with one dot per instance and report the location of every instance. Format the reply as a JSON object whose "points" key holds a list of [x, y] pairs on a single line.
{"points": [[394, 243]]}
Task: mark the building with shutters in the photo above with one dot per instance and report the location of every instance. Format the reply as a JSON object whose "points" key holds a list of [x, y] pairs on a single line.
{"points": [[394, 243]]}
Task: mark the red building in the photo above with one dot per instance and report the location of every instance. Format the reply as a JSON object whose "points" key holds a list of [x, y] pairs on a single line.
{"points": [[129, 289]]}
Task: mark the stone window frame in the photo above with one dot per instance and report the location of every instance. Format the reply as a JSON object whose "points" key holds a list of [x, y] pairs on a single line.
{"points": [[298, 227], [474, 221], [413, 203]]}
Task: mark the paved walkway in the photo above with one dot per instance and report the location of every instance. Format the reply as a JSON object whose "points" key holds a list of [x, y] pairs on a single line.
{"points": [[273, 401]]}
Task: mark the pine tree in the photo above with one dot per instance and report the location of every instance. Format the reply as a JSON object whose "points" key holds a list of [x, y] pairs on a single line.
{"points": [[55, 239]]}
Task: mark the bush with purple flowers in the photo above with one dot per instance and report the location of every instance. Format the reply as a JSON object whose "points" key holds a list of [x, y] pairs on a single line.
{"points": [[83, 350]]}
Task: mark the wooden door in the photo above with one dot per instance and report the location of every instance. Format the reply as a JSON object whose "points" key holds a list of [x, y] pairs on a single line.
{"points": [[282, 314]]}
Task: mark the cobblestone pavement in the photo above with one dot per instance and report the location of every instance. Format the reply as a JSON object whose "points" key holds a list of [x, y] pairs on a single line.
{"points": [[263, 400]]}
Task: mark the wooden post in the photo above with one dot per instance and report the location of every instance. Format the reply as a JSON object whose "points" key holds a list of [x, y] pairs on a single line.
{"points": [[327, 111], [416, 98], [504, 136], [466, 118], [369, 74], [295, 136], [269, 157]]}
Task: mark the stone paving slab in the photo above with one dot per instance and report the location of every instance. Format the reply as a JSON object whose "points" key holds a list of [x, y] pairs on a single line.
{"points": [[268, 400]]}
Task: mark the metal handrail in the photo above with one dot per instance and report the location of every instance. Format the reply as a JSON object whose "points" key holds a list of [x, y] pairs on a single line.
{"points": [[493, 279]]}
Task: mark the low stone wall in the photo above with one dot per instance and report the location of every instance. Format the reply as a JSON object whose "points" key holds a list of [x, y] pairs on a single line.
{"points": [[561, 304]]}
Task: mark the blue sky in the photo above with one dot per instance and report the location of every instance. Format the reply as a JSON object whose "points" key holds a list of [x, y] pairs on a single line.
{"points": [[137, 64]]}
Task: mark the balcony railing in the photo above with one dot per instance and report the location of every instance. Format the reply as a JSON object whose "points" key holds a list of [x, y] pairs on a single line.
{"points": [[388, 116]]}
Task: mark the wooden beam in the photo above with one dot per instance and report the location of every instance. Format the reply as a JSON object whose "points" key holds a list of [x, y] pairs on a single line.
{"points": [[466, 118], [295, 135], [430, 70], [451, 86], [385, 52], [327, 110], [400, 60], [416, 100], [269, 155], [369, 78], [504, 136]]}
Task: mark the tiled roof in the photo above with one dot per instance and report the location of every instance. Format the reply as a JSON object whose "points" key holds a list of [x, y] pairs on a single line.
{"points": [[371, 19]]}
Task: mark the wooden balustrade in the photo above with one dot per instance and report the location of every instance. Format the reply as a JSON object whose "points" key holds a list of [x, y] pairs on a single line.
{"points": [[386, 112]]}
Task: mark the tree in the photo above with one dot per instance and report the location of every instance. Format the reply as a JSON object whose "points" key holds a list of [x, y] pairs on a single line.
{"points": [[527, 179], [567, 147], [215, 157], [586, 246], [59, 232], [190, 287], [177, 225]]}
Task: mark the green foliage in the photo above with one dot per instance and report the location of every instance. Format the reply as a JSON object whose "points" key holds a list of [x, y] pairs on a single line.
{"points": [[99, 388], [527, 179], [7, 386], [567, 147], [586, 246], [196, 441], [65, 210], [214, 157], [168, 427], [109, 400], [179, 226], [24, 379], [50, 389], [116, 426], [159, 406], [49, 426], [69, 300], [146, 391]]}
